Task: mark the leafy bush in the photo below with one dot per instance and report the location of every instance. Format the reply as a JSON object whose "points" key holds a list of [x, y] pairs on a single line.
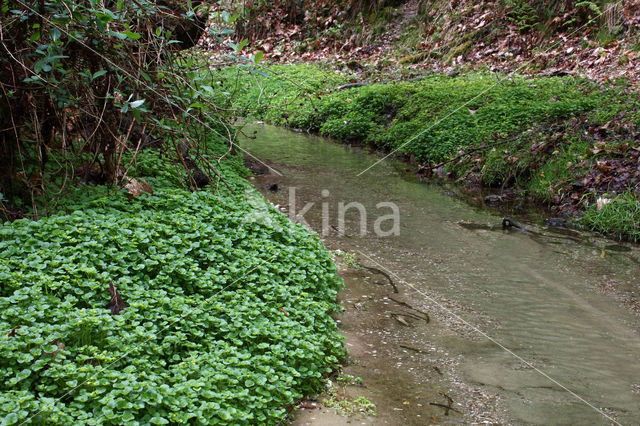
{"points": [[86, 82], [227, 320]]}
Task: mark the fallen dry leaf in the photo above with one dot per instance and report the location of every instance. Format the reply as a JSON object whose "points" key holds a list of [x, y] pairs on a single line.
{"points": [[136, 188]]}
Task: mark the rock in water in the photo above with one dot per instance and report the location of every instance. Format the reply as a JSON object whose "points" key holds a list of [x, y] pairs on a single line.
{"points": [[508, 223], [493, 199]]}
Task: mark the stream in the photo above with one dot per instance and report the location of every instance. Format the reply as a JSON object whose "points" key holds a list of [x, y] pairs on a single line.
{"points": [[534, 327]]}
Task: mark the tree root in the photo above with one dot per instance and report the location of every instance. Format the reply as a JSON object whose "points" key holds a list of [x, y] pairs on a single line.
{"points": [[446, 407]]}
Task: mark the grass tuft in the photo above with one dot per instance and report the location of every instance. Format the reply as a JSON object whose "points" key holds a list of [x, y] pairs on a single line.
{"points": [[619, 217]]}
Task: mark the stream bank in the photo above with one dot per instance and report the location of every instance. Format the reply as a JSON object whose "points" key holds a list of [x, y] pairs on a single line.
{"points": [[394, 350], [508, 310], [392, 347], [564, 142]]}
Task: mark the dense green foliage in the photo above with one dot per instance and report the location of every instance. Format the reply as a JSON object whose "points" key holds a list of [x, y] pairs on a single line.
{"points": [[227, 319], [619, 218], [227, 316], [84, 82], [536, 133], [431, 118]]}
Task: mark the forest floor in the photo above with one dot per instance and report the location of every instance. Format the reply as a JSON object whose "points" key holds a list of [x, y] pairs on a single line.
{"points": [[458, 36]]}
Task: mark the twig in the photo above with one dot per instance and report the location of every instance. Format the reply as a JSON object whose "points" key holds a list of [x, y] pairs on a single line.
{"points": [[381, 272], [408, 314], [350, 85], [446, 408], [411, 348], [400, 302]]}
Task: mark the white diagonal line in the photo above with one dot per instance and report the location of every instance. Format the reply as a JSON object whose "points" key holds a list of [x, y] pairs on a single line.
{"points": [[491, 339], [475, 97], [181, 317], [144, 84]]}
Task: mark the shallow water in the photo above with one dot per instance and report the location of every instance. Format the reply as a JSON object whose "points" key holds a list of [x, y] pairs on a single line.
{"points": [[562, 304]]}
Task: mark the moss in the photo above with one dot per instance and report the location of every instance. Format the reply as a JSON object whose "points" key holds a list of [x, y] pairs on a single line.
{"points": [[414, 59], [461, 49]]}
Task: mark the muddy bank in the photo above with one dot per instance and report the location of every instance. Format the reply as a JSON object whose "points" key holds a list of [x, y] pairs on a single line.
{"points": [[392, 348]]}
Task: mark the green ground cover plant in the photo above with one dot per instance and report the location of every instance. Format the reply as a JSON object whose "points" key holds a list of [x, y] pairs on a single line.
{"points": [[227, 321], [139, 284], [536, 133], [339, 399], [440, 114], [620, 217]]}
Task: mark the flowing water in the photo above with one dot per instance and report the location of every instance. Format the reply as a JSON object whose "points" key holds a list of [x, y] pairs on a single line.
{"points": [[542, 319]]}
